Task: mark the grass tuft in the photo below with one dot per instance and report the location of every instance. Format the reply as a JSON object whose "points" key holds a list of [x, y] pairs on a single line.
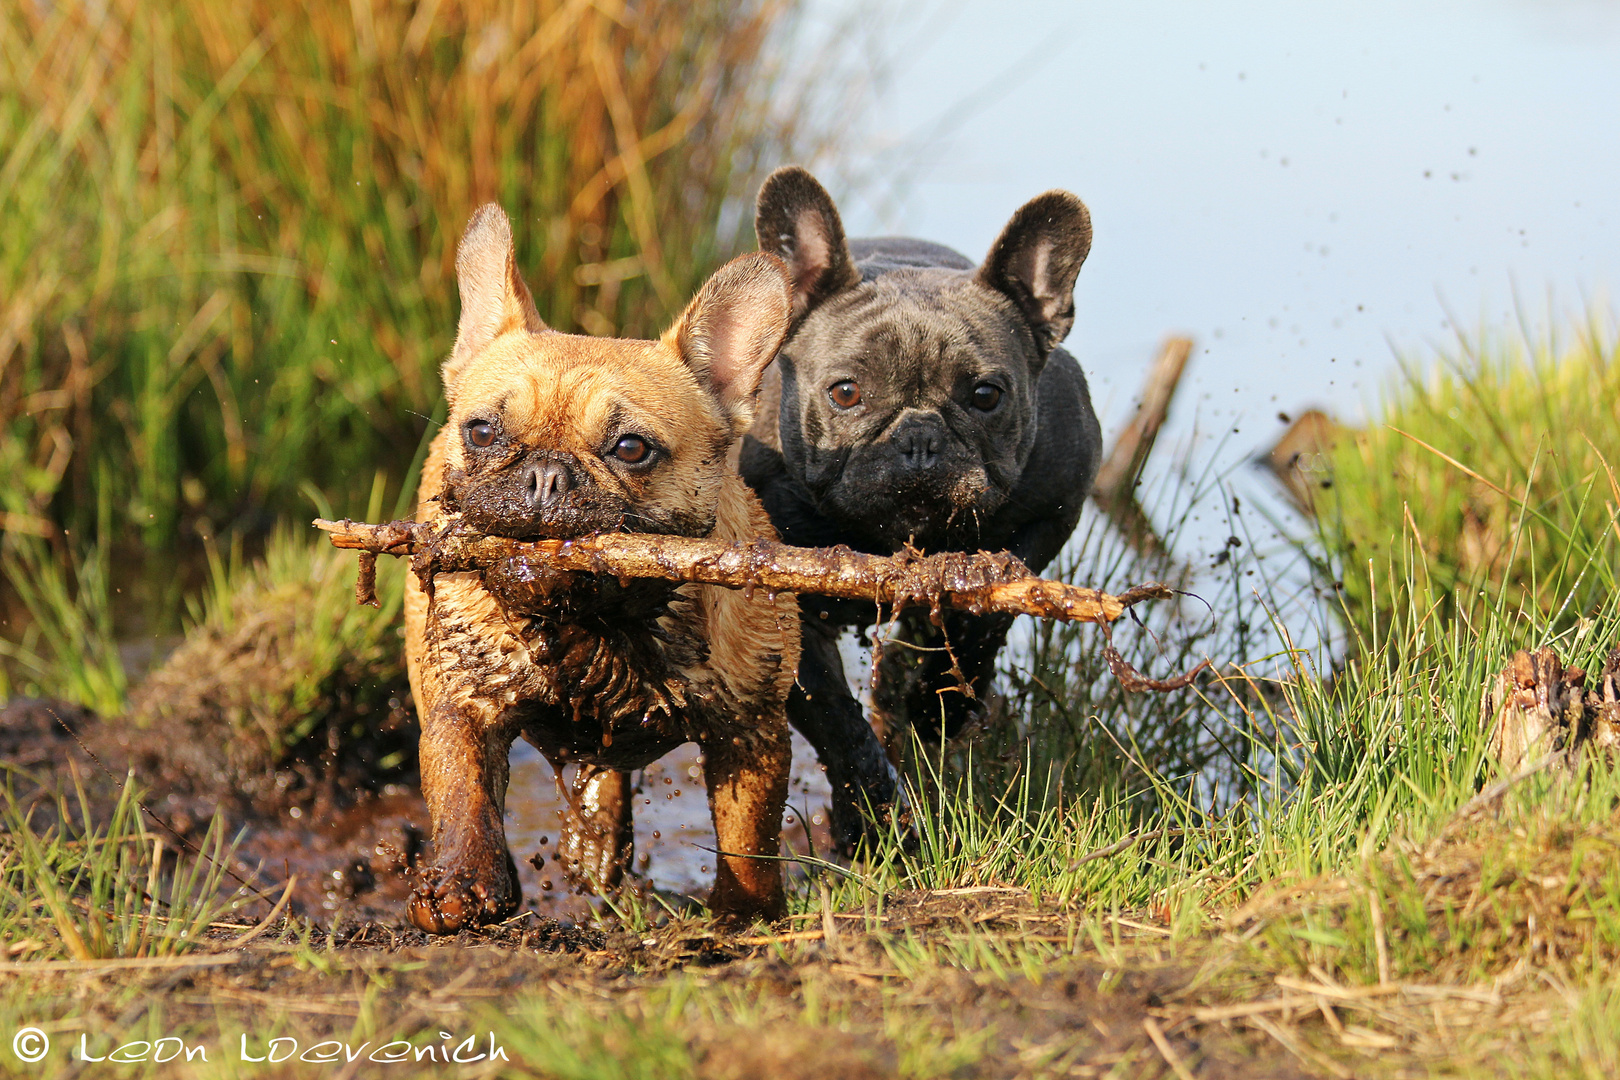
{"points": [[1487, 482], [284, 689], [73, 888], [68, 649]]}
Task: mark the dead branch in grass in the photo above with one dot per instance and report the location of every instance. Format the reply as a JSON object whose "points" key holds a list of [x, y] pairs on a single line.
{"points": [[1115, 486]]}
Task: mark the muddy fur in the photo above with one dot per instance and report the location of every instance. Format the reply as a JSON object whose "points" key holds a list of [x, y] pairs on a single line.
{"points": [[556, 435]]}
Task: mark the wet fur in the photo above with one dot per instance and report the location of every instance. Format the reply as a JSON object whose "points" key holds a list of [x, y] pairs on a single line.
{"points": [[918, 326], [591, 671]]}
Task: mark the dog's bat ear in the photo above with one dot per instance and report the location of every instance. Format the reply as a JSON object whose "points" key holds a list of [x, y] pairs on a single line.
{"points": [[1036, 259], [494, 298], [795, 220], [730, 332]]}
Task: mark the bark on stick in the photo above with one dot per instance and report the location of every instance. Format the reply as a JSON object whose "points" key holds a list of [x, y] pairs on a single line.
{"points": [[981, 583]]}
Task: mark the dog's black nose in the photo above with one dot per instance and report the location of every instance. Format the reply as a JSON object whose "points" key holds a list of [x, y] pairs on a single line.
{"points": [[546, 482], [918, 442]]}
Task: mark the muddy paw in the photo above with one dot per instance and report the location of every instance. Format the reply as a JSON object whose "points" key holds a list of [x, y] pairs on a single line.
{"points": [[452, 900], [598, 837]]}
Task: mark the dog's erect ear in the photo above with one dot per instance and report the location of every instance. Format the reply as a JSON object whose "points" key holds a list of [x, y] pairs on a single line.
{"points": [[795, 220], [1036, 259], [494, 298], [731, 330]]}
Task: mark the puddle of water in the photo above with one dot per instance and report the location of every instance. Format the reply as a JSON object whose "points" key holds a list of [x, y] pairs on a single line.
{"points": [[674, 837], [350, 865]]}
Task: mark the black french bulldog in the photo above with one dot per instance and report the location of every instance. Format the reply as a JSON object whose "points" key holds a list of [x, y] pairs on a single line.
{"points": [[917, 400]]}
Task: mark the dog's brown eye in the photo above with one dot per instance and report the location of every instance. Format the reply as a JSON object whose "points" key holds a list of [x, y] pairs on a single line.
{"points": [[986, 396], [480, 434], [632, 449], [846, 394]]}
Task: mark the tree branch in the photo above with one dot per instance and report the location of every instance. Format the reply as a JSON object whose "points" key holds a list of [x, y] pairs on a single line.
{"points": [[980, 583]]}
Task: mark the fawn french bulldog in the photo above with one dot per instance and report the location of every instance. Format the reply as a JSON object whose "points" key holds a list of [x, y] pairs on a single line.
{"points": [[553, 435]]}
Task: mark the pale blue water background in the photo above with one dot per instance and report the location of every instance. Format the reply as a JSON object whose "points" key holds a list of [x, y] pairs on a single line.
{"points": [[1300, 187]]}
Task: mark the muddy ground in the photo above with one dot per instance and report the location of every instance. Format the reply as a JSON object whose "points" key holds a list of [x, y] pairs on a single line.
{"points": [[354, 854], [915, 984]]}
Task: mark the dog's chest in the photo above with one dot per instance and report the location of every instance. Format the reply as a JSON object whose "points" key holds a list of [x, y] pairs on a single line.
{"points": [[589, 668]]}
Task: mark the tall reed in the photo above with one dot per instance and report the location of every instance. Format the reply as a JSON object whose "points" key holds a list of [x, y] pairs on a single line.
{"points": [[231, 224]]}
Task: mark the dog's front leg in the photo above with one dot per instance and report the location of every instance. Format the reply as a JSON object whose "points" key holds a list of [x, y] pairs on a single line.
{"points": [[934, 679], [747, 776], [827, 714], [463, 755], [598, 837]]}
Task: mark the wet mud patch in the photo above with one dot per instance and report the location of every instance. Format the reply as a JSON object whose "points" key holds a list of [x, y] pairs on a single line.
{"points": [[354, 851], [674, 836], [355, 863]]}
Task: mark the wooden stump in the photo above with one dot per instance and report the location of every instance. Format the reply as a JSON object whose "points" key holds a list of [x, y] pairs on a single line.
{"points": [[1539, 708]]}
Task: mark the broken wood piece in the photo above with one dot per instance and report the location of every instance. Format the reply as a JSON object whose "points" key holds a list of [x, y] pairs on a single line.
{"points": [[1115, 486], [980, 583], [1302, 460], [1135, 443], [1602, 733], [1537, 706]]}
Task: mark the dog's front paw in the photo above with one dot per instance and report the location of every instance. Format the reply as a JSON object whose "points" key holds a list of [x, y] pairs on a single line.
{"points": [[452, 899]]}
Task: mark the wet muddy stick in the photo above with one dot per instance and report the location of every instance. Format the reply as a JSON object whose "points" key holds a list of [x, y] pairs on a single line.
{"points": [[981, 583]]}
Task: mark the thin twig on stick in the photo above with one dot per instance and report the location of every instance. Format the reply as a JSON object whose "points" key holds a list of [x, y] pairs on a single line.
{"points": [[1134, 681]]}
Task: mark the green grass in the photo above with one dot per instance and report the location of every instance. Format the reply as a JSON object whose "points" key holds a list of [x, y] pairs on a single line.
{"points": [[73, 887], [68, 647], [1488, 480]]}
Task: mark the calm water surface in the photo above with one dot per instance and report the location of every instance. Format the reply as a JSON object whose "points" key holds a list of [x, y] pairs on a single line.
{"points": [[1306, 189]]}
